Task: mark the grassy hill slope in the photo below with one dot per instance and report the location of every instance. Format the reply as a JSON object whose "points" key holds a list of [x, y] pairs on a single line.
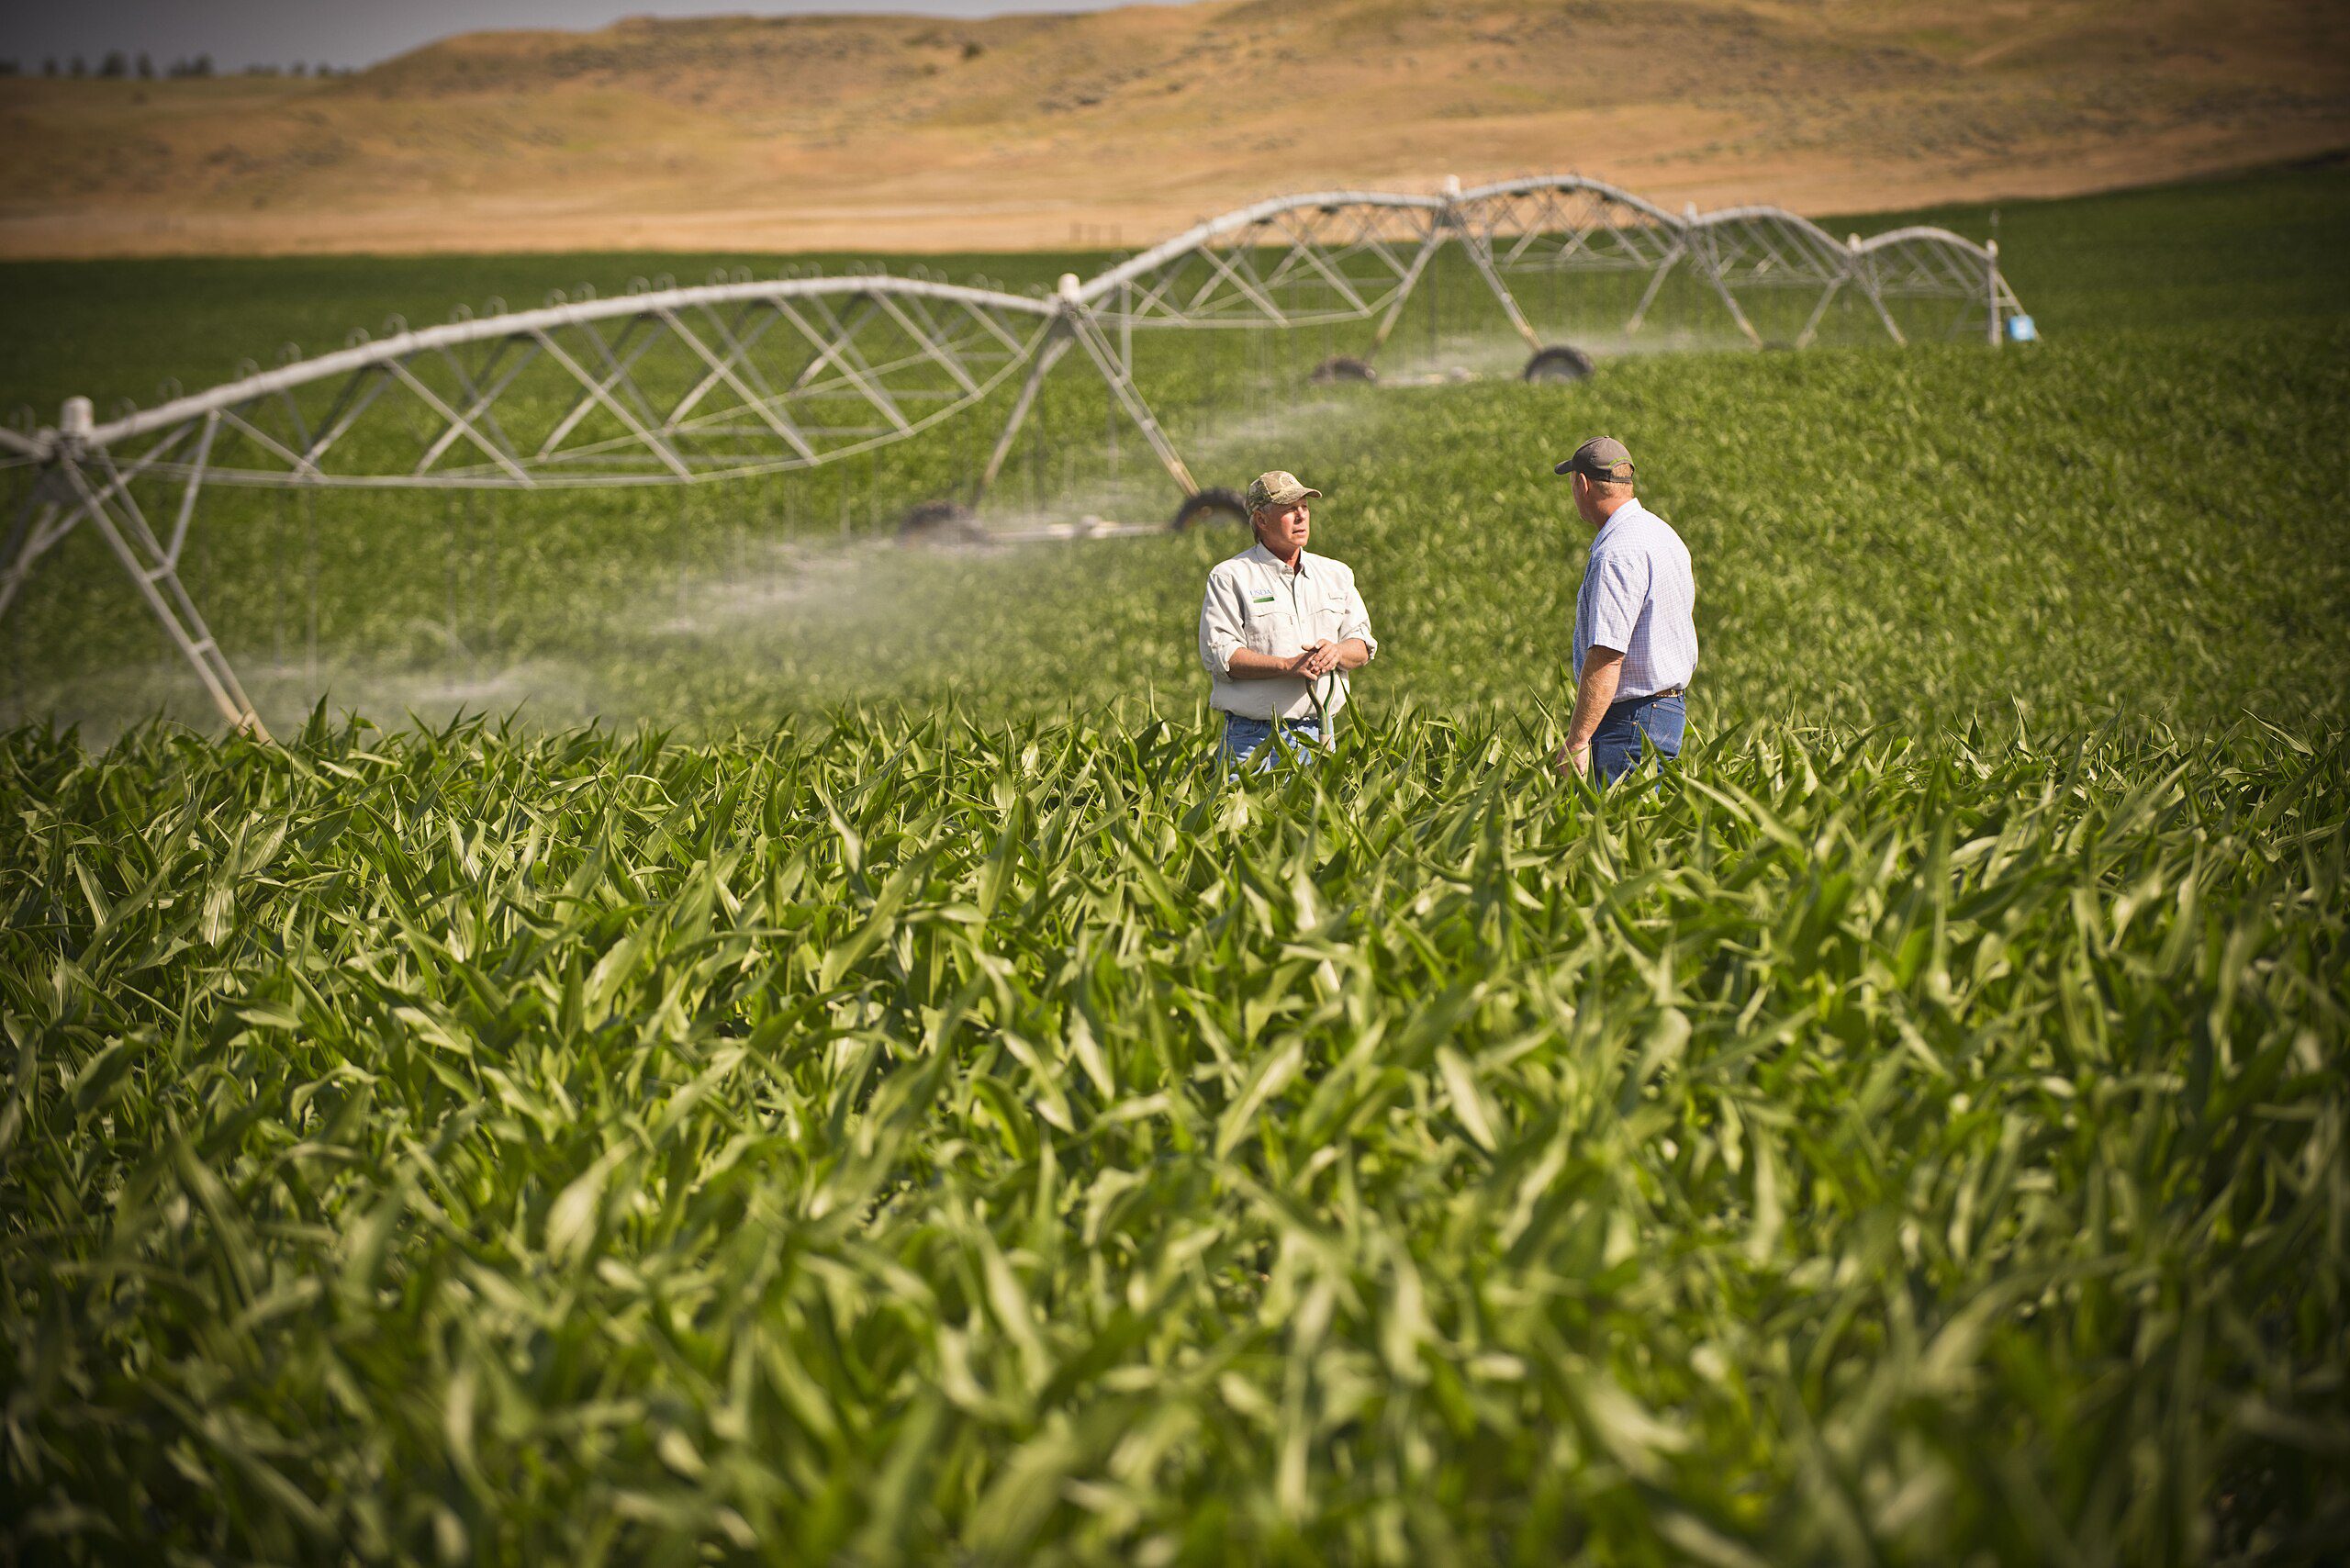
{"points": [[811, 132]]}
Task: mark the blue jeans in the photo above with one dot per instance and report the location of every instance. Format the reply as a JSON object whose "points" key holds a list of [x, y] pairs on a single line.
{"points": [[1244, 738], [1615, 746]]}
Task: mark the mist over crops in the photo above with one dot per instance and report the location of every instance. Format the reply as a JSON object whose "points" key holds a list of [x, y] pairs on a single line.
{"points": [[876, 1095]]}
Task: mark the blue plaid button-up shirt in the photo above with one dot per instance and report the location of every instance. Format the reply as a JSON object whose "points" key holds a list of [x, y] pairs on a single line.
{"points": [[1640, 597]]}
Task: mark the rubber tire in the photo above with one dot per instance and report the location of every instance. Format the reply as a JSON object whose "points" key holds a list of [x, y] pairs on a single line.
{"points": [[1341, 368], [940, 523], [1213, 501], [1557, 363]]}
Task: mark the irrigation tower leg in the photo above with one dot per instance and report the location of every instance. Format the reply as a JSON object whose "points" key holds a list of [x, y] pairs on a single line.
{"points": [[34, 529], [1410, 281], [1481, 251], [1048, 353], [1714, 276], [159, 584], [1656, 283], [1868, 286], [1991, 289], [1811, 322], [1089, 332]]}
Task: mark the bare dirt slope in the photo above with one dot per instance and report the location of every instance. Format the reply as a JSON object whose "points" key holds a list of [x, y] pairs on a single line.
{"points": [[1116, 127]]}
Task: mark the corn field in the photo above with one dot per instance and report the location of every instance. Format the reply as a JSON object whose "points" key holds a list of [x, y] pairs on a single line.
{"points": [[903, 1140], [902, 1104]]}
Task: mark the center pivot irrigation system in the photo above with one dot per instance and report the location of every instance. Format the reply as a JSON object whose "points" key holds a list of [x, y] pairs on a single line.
{"points": [[681, 386]]}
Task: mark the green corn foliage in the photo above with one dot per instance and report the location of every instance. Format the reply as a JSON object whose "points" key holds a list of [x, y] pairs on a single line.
{"points": [[912, 1109], [904, 1137]]}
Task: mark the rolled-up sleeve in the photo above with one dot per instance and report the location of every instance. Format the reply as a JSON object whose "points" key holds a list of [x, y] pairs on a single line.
{"points": [[1355, 622], [1220, 625]]}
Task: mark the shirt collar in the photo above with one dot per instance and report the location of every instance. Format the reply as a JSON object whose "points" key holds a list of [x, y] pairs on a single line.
{"points": [[1264, 557], [1621, 513]]}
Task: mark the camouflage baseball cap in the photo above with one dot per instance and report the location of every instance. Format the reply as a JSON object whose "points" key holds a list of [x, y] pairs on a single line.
{"points": [[1602, 457], [1278, 488]]}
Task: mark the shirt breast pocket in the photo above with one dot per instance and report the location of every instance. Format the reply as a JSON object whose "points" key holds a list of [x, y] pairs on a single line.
{"points": [[1270, 629]]}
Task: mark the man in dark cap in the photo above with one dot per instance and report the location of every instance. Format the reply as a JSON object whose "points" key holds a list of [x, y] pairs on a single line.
{"points": [[1280, 630], [1636, 630]]}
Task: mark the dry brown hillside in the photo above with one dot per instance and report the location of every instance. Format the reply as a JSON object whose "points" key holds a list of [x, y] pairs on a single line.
{"points": [[907, 133]]}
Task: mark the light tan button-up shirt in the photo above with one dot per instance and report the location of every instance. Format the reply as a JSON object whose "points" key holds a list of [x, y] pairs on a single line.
{"points": [[1254, 602]]}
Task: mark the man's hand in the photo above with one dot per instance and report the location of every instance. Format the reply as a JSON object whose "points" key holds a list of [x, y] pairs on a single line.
{"points": [[1603, 669], [1309, 662]]}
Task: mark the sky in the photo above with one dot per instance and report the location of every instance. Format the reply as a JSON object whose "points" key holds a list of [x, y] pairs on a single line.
{"points": [[237, 33]]}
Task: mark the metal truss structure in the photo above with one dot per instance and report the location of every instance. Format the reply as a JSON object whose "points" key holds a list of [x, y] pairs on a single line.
{"points": [[677, 385]]}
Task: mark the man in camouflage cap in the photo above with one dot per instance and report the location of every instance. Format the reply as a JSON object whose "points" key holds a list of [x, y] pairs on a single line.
{"points": [[1636, 631], [1280, 630]]}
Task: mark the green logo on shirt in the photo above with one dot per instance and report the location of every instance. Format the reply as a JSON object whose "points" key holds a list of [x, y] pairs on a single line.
{"points": [[1263, 599]]}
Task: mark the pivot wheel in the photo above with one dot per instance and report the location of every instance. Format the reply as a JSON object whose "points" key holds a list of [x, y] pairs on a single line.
{"points": [[1342, 367], [940, 523], [1213, 503], [1557, 363]]}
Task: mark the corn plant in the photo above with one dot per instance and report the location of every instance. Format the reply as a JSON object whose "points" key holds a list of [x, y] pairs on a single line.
{"points": [[902, 1104], [901, 1137]]}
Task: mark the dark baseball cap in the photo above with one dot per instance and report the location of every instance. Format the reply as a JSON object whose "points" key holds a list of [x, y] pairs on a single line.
{"points": [[1602, 457]]}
